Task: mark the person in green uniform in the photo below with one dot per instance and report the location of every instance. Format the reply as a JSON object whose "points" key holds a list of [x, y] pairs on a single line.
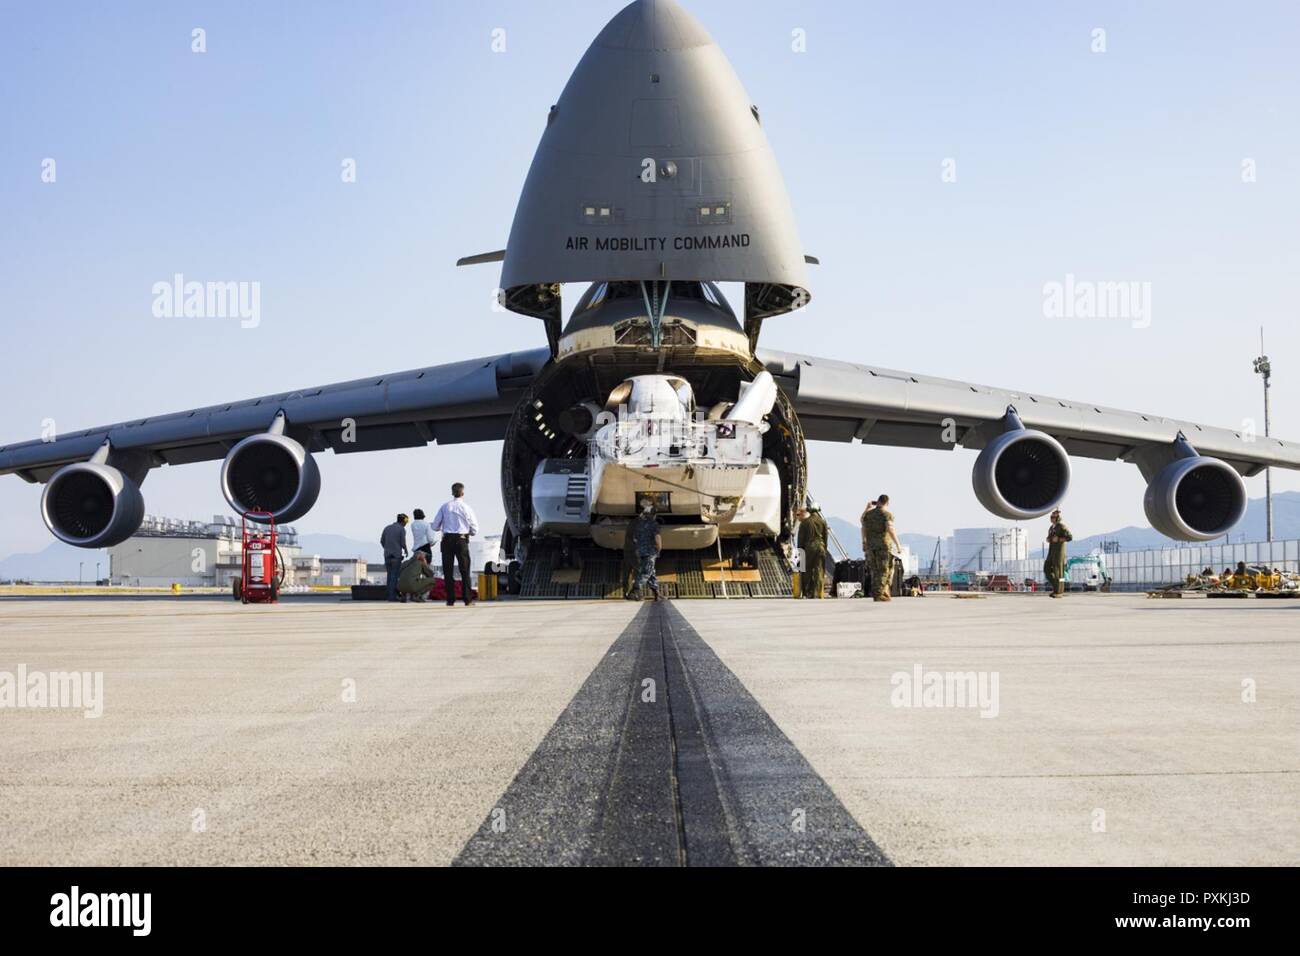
{"points": [[813, 537], [880, 541], [1054, 567], [415, 577]]}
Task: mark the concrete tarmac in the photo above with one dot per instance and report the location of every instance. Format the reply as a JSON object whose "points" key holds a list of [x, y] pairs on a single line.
{"points": [[238, 719], [339, 733], [1121, 734]]}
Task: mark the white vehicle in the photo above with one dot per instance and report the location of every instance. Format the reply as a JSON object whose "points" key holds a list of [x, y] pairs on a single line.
{"points": [[1087, 573]]}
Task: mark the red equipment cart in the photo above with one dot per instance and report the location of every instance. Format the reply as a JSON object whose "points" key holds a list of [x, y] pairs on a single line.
{"points": [[262, 573]]}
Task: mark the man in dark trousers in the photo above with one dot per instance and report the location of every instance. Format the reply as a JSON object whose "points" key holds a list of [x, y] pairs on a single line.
{"points": [[457, 523], [649, 542], [393, 540]]}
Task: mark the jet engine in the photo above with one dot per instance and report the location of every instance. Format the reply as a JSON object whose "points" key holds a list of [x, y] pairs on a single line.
{"points": [[1195, 498], [271, 472], [1022, 473], [92, 505]]}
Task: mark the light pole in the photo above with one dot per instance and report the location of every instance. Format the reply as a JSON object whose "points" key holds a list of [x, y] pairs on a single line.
{"points": [[1265, 370]]}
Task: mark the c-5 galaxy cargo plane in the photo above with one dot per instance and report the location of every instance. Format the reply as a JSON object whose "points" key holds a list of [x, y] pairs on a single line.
{"points": [[653, 182]]}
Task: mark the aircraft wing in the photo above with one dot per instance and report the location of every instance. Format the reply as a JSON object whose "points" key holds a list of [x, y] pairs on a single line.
{"points": [[460, 402], [841, 401]]}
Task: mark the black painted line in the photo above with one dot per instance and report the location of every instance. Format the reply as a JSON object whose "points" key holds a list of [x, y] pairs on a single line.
{"points": [[699, 776], [552, 809]]}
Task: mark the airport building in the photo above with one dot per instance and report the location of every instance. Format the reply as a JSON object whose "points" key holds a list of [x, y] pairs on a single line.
{"points": [[167, 551]]}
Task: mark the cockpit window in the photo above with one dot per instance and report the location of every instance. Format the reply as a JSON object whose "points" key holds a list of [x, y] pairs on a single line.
{"points": [[601, 293]]}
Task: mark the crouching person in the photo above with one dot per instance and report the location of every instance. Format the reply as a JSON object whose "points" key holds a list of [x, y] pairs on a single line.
{"points": [[416, 578]]}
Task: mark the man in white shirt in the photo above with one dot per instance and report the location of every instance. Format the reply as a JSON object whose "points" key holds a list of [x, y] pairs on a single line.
{"points": [[421, 535], [457, 523]]}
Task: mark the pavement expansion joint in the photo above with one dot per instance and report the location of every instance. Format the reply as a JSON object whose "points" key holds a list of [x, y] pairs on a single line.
{"points": [[664, 758]]}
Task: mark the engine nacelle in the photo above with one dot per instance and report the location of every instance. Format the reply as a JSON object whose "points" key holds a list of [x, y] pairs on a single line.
{"points": [[271, 472], [92, 505], [1195, 499], [1022, 473]]}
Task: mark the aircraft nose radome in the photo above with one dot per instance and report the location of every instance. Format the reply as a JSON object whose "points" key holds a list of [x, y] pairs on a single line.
{"points": [[653, 25], [652, 165]]}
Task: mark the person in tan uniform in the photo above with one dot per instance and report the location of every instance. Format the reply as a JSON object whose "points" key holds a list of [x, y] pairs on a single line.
{"points": [[880, 543], [871, 506]]}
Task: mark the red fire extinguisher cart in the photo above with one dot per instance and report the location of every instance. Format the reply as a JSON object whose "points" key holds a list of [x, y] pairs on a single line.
{"points": [[259, 582]]}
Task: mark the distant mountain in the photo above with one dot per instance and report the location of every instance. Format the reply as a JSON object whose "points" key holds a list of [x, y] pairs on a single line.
{"points": [[58, 562], [1286, 527], [1131, 538], [849, 535], [850, 538], [921, 545]]}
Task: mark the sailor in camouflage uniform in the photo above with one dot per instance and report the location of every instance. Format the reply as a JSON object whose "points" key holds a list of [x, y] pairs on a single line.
{"points": [[649, 542]]}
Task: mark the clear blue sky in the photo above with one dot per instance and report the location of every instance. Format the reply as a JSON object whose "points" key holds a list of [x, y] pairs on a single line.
{"points": [[225, 166]]}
